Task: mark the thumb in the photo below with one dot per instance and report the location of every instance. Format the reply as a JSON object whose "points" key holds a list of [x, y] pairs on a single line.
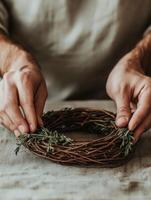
{"points": [[123, 111]]}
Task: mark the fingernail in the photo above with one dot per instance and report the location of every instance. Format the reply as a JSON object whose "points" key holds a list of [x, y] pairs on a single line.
{"points": [[17, 133], [22, 128], [32, 128], [135, 140], [132, 128], [122, 121]]}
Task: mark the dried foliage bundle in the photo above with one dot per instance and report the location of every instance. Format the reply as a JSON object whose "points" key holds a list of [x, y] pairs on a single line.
{"points": [[113, 147]]}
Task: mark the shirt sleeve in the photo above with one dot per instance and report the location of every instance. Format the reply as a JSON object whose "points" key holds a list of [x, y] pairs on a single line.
{"points": [[3, 18]]}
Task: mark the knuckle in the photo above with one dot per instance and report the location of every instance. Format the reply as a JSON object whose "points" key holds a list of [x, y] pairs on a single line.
{"points": [[18, 122], [26, 76], [123, 110], [2, 112], [6, 106], [120, 89], [148, 82], [27, 103], [7, 76], [12, 127], [123, 88], [34, 127]]}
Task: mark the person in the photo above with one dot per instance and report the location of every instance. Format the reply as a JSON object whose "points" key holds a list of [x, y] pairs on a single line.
{"points": [[77, 48]]}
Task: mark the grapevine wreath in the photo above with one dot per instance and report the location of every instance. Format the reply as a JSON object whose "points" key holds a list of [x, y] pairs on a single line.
{"points": [[112, 147]]}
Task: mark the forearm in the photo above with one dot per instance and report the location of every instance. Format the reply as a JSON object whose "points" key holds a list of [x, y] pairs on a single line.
{"points": [[142, 52], [13, 56]]}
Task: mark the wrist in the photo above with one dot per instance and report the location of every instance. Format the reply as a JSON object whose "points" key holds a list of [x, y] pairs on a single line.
{"points": [[130, 63], [13, 56], [142, 52]]}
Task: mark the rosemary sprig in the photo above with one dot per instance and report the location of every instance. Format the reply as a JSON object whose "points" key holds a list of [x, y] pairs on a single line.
{"points": [[127, 140], [54, 138], [114, 143], [43, 134]]}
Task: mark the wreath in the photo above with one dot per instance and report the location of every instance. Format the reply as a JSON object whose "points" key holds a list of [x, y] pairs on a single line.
{"points": [[112, 147]]}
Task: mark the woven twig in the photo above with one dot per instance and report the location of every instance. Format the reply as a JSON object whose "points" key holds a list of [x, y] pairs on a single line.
{"points": [[113, 147]]}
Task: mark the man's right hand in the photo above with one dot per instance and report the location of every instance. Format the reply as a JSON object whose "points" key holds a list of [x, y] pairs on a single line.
{"points": [[23, 90]]}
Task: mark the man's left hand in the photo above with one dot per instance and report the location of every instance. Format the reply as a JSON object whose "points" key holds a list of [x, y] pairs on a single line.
{"points": [[130, 88]]}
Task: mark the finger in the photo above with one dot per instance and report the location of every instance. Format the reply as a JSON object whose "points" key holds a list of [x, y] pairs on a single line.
{"points": [[29, 113], [141, 112], [12, 110], [14, 113], [142, 128], [17, 133], [40, 100], [6, 121], [123, 110], [26, 97], [132, 107]]}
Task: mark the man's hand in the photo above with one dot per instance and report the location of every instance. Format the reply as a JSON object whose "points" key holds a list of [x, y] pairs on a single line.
{"points": [[23, 89], [131, 90]]}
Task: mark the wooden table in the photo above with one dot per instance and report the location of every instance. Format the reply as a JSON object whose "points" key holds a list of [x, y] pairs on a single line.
{"points": [[26, 176]]}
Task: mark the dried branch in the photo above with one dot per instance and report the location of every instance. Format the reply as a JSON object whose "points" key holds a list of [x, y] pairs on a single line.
{"points": [[113, 147]]}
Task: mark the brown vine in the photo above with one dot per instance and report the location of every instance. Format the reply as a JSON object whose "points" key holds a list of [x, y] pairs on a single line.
{"points": [[113, 147]]}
